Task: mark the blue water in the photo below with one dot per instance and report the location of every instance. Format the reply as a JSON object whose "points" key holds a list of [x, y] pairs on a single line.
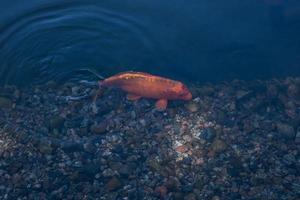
{"points": [[198, 40]]}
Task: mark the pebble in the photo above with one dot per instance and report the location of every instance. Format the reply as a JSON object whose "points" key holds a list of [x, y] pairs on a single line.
{"points": [[230, 151], [208, 134], [113, 184], [182, 149], [161, 191], [285, 130], [192, 106], [190, 196], [5, 102], [297, 138], [218, 146], [100, 128], [56, 122]]}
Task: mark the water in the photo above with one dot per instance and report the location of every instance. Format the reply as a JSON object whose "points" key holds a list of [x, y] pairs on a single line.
{"points": [[198, 40], [63, 137]]}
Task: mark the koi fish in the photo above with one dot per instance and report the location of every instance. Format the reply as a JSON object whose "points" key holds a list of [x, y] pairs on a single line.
{"points": [[140, 84]]}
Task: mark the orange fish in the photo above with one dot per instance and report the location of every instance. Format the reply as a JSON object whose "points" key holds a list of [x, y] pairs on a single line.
{"points": [[139, 84]]}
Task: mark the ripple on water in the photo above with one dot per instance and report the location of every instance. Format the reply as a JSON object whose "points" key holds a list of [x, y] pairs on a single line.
{"points": [[51, 41]]}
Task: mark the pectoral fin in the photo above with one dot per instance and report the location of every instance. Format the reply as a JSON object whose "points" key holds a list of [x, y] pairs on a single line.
{"points": [[132, 97], [161, 104]]}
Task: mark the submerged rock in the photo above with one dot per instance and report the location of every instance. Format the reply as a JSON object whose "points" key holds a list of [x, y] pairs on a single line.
{"points": [[208, 134], [113, 184], [285, 130], [297, 138], [99, 128], [218, 146], [192, 106], [56, 122], [5, 102]]}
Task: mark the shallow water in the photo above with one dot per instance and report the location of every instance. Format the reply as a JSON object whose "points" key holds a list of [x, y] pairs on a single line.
{"points": [[236, 139], [199, 40]]}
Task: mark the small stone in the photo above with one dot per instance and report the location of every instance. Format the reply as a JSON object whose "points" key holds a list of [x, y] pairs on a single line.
{"points": [[56, 122], [297, 138], [192, 106], [154, 164], [190, 196], [108, 173], [289, 159], [293, 90], [161, 191], [172, 183], [45, 147], [71, 146], [178, 196], [218, 146], [75, 90], [113, 184], [5, 102], [208, 134], [181, 149], [99, 128], [285, 130], [272, 90]]}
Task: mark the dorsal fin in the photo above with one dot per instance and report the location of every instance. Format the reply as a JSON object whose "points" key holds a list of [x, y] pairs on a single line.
{"points": [[134, 72]]}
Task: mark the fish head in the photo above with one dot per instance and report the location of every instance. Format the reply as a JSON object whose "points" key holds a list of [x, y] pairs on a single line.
{"points": [[182, 92]]}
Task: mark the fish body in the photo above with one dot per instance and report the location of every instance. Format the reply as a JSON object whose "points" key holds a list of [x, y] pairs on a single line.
{"points": [[140, 84]]}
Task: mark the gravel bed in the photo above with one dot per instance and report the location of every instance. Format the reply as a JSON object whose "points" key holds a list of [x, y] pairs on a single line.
{"points": [[235, 140]]}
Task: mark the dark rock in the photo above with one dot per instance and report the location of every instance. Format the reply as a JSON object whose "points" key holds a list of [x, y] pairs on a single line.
{"points": [[190, 196], [192, 106], [70, 146], [286, 130], [5, 102], [99, 128], [218, 146], [187, 188], [45, 146], [113, 184], [56, 122], [161, 191], [208, 134]]}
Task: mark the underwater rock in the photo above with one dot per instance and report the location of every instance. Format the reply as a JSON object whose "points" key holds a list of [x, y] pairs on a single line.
{"points": [[56, 122], [113, 184], [100, 128], [190, 196], [172, 183], [71, 146], [183, 155], [297, 138], [293, 91], [161, 191], [217, 146], [5, 102], [45, 146], [272, 90], [182, 149], [285, 130], [208, 134], [192, 106]]}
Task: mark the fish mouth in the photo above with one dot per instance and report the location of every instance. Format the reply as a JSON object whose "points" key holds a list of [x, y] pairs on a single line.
{"points": [[188, 96]]}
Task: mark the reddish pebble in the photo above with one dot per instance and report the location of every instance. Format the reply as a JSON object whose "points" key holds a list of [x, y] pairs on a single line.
{"points": [[181, 149], [162, 191]]}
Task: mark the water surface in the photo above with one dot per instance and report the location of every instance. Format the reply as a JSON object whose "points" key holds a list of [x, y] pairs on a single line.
{"points": [[199, 40]]}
